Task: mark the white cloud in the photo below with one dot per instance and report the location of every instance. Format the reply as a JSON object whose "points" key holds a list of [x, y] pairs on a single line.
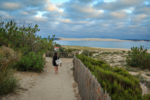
{"points": [[39, 16], [129, 10], [65, 20], [11, 5], [53, 7], [88, 9], [82, 11], [109, 1], [119, 14]]}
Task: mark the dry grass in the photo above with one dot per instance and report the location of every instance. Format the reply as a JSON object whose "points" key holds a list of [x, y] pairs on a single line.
{"points": [[7, 81]]}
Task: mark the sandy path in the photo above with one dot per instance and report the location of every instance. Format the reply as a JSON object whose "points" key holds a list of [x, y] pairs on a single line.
{"points": [[49, 86]]}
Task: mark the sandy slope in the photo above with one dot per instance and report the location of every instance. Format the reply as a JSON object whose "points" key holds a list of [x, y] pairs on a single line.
{"points": [[47, 85]]}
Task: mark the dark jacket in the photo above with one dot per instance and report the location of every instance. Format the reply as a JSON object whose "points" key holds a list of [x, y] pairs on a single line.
{"points": [[54, 60]]}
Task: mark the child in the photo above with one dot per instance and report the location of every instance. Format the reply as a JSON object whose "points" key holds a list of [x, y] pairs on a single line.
{"points": [[55, 64]]}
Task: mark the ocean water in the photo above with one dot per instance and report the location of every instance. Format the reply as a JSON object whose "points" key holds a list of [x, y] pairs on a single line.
{"points": [[106, 44]]}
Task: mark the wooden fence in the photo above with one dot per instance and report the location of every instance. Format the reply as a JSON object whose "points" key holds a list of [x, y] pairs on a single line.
{"points": [[89, 87]]}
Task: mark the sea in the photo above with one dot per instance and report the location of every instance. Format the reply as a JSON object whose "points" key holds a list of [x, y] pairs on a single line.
{"points": [[106, 44]]}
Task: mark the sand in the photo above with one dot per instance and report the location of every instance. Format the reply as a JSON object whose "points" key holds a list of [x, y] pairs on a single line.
{"points": [[91, 39], [47, 85]]}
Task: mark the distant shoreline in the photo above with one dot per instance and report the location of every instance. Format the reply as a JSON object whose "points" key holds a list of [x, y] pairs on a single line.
{"points": [[97, 39], [111, 49]]}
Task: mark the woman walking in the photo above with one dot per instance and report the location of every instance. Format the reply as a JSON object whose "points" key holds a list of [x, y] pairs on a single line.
{"points": [[55, 64]]}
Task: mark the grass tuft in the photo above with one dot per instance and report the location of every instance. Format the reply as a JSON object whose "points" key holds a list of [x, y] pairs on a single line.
{"points": [[8, 83]]}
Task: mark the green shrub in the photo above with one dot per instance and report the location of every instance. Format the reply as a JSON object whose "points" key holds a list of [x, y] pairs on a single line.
{"points": [[116, 81], [146, 97], [8, 83], [23, 37], [138, 57], [31, 62]]}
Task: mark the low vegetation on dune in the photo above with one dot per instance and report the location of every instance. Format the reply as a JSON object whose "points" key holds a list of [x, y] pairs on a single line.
{"points": [[120, 58], [116, 81], [138, 57], [8, 82]]}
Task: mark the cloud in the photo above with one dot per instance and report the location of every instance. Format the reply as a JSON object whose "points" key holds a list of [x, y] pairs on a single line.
{"points": [[118, 4], [65, 20], [139, 10], [39, 16], [10, 6], [24, 13], [83, 18], [35, 2], [79, 11], [119, 14], [139, 18], [86, 1], [53, 8]]}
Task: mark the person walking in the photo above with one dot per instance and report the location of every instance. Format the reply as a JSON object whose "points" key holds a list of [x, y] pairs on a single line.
{"points": [[55, 62]]}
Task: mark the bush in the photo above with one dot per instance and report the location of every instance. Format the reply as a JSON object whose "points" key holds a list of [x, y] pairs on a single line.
{"points": [[87, 53], [116, 81], [8, 83], [146, 97], [31, 62], [138, 57]]}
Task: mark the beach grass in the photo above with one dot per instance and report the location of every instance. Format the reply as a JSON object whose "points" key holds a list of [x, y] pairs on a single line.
{"points": [[116, 57]]}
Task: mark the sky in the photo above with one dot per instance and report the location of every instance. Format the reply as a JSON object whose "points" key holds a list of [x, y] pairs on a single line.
{"points": [[122, 19]]}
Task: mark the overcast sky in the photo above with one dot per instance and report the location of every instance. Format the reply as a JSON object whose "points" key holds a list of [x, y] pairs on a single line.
{"points": [[125, 19]]}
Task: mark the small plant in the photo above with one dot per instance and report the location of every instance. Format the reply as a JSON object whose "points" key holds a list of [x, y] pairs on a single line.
{"points": [[8, 82]]}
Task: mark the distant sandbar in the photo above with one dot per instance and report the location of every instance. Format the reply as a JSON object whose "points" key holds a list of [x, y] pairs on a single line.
{"points": [[91, 39]]}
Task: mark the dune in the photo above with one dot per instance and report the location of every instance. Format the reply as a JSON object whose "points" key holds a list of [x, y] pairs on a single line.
{"points": [[90, 39]]}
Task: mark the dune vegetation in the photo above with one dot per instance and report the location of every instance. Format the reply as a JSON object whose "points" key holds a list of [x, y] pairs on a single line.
{"points": [[20, 49], [116, 81], [119, 58], [138, 57], [8, 83]]}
